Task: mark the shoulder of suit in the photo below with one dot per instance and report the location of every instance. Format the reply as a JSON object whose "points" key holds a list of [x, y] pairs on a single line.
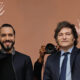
{"points": [[77, 49], [52, 56], [17, 53]]}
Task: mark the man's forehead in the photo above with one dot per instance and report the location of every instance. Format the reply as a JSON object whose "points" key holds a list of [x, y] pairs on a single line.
{"points": [[6, 29], [65, 29]]}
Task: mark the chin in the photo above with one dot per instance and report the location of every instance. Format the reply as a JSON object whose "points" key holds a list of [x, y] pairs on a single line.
{"points": [[66, 46]]}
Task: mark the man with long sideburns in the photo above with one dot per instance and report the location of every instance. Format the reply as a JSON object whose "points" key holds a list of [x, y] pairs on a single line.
{"points": [[65, 64]]}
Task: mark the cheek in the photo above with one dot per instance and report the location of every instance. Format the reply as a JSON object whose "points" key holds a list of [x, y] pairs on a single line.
{"points": [[12, 38], [2, 39], [73, 40], [59, 40]]}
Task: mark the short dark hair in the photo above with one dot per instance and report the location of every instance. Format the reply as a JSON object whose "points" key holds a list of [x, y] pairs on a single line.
{"points": [[8, 25], [65, 24]]}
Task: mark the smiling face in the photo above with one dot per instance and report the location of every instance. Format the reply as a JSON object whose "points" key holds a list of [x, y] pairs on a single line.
{"points": [[7, 38], [65, 38]]}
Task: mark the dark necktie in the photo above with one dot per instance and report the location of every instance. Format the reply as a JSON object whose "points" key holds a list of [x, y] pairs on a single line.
{"points": [[63, 67]]}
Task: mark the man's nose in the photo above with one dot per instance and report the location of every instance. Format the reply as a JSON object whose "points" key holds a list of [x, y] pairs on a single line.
{"points": [[7, 37], [64, 36]]}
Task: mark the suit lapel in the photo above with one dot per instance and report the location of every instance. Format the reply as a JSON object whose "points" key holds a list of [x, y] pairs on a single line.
{"points": [[57, 64], [57, 60], [73, 56]]}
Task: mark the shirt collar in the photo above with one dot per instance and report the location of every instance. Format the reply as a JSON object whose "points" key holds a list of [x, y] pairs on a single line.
{"points": [[4, 52], [69, 50]]}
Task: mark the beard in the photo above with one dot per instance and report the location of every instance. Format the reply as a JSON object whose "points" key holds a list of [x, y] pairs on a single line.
{"points": [[7, 48]]}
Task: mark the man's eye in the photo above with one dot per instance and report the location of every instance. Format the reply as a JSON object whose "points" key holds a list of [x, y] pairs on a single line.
{"points": [[3, 35], [68, 33], [10, 34], [60, 34]]}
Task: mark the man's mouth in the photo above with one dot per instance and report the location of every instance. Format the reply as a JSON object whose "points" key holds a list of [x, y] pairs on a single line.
{"points": [[7, 42], [64, 41]]}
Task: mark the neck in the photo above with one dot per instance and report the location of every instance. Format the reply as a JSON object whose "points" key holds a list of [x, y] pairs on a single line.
{"points": [[65, 49], [8, 52]]}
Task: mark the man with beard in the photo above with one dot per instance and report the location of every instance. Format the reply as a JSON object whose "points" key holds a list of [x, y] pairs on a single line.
{"points": [[13, 65]]}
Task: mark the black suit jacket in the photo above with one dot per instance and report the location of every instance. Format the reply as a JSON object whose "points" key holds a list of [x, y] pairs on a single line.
{"points": [[53, 62], [15, 67]]}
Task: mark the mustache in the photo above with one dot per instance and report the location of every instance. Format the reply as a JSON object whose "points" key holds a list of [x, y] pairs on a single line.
{"points": [[8, 41]]}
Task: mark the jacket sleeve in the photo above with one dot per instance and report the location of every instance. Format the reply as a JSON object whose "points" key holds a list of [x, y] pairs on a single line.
{"points": [[28, 69], [47, 73]]}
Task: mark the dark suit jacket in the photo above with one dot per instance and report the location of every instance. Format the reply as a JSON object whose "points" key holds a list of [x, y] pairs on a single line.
{"points": [[53, 63], [15, 67], [37, 70]]}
